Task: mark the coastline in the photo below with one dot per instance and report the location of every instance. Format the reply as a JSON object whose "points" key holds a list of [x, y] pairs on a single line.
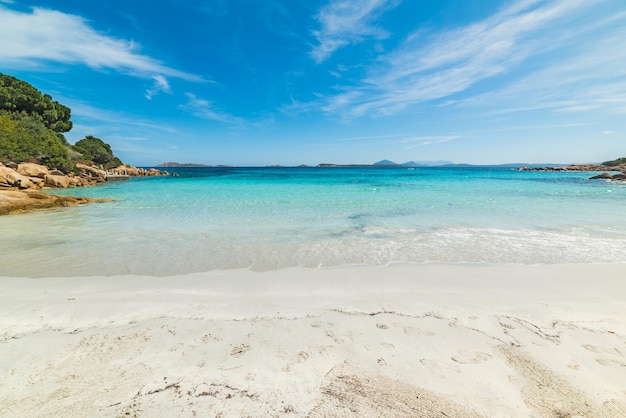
{"points": [[400, 340], [20, 185]]}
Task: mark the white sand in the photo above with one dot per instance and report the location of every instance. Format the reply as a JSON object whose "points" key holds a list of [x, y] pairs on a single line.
{"points": [[404, 340]]}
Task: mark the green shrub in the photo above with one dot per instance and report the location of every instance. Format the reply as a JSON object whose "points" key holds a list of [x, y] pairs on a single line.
{"points": [[613, 163], [25, 138]]}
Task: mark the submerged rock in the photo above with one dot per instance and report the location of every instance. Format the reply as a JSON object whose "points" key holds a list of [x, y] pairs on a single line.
{"points": [[603, 176], [20, 201], [609, 176]]}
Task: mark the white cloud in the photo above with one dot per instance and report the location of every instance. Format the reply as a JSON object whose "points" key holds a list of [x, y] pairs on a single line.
{"points": [[426, 68], [204, 109], [347, 21], [43, 35], [160, 85]]}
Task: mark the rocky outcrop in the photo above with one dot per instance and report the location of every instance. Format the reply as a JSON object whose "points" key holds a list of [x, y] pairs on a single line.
{"points": [[19, 185], [20, 201], [57, 181], [606, 175], [137, 172], [603, 176], [609, 176], [35, 176], [91, 175], [33, 170], [578, 167], [11, 179]]}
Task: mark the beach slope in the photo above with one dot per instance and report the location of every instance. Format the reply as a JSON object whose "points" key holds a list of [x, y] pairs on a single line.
{"points": [[396, 341]]}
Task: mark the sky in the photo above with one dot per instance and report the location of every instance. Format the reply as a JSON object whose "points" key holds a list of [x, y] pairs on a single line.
{"points": [[289, 82]]}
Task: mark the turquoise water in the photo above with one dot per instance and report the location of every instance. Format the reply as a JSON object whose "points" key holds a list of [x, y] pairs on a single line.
{"points": [[271, 218]]}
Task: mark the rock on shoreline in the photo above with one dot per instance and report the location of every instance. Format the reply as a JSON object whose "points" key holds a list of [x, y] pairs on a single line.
{"points": [[578, 167], [31, 176], [606, 175], [20, 185]]}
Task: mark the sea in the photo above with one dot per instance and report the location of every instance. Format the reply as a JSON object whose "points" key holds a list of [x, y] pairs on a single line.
{"points": [[268, 218]]}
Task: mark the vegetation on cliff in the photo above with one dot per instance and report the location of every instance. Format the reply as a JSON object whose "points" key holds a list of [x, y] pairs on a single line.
{"points": [[613, 163], [32, 126]]}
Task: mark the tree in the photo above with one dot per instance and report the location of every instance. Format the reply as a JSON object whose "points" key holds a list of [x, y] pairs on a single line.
{"points": [[19, 96], [31, 127], [97, 151]]}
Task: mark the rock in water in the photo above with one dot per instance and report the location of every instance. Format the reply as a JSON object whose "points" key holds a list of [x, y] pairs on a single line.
{"points": [[20, 201]]}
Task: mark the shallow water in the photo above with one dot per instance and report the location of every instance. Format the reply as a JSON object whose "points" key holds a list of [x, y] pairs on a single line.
{"points": [[271, 218]]}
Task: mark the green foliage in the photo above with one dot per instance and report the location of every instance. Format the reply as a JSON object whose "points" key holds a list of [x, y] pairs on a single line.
{"points": [[31, 126], [18, 96], [613, 163], [25, 138], [97, 151]]}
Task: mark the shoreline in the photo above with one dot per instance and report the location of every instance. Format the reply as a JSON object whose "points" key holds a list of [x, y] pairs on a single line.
{"points": [[20, 185], [488, 340]]}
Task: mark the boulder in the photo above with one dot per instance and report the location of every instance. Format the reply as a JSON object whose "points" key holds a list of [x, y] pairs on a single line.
{"points": [[10, 178], [57, 181], [75, 182], [91, 173], [33, 170]]}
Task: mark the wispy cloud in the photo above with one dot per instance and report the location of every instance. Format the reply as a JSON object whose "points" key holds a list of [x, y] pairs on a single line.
{"points": [[418, 141], [592, 77], [409, 141], [348, 21], [206, 110], [426, 68], [42, 36], [160, 85]]}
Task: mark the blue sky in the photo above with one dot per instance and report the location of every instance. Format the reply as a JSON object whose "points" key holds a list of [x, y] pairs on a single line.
{"points": [[259, 82]]}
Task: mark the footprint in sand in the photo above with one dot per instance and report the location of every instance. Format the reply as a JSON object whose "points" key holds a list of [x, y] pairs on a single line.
{"points": [[240, 350], [574, 366], [302, 356], [591, 348], [610, 362], [614, 351], [331, 334], [465, 357], [208, 338]]}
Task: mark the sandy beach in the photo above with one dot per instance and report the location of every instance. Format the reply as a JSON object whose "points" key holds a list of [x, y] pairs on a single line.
{"points": [[397, 341]]}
